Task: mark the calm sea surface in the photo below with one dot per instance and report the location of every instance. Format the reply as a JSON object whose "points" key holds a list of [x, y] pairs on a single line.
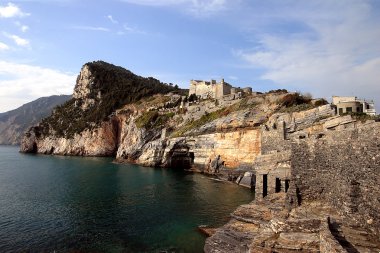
{"points": [[67, 204]]}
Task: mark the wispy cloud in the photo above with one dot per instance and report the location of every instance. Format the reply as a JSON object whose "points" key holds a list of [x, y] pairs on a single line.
{"points": [[23, 28], [194, 7], [129, 29], [334, 53], [17, 40], [110, 18], [22, 83], [3, 46], [91, 28], [11, 10]]}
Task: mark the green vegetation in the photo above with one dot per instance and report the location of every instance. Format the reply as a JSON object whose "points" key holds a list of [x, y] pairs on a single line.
{"points": [[296, 102], [209, 117], [116, 86], [297, 108], [152, 119]]}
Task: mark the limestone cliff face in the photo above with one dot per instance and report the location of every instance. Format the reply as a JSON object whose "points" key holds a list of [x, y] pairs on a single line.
{"points": [[101, 141], [87, 125], [236, 148], [84, 86], [98, 141], [135, 141]]}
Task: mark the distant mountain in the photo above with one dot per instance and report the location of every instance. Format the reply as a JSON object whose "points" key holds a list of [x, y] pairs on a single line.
{"points": [[14, 123]]}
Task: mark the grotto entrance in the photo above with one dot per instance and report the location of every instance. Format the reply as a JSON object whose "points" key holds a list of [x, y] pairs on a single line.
{"points": [[265, 185], [181, 157]]}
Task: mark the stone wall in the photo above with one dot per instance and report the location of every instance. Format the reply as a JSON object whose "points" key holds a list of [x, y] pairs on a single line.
{"points": [[343, 169], [283, 127], [273, 137], [202, 88], [276, 168]]}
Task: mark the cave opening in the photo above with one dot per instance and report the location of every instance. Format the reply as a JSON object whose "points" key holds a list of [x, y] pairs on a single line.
{"points": [[181, 158], [278, 185], [192, 157], [265, 185], [287, 181], [34, 149]]}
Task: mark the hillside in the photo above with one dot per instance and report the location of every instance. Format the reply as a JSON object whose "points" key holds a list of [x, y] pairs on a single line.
{"points": [[101, 88], [14, 123]]}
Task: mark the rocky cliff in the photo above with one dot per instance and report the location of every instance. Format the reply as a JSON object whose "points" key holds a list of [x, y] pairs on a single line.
{"points": [[116, 113], [14, 123], [86, 125]]}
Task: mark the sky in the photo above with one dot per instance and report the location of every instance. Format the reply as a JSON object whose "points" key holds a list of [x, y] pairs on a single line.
{"points": [[322, 47]]}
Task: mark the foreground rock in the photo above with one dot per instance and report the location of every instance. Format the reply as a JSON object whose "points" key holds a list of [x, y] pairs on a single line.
{"points": [[316, 192], [268, 226]]}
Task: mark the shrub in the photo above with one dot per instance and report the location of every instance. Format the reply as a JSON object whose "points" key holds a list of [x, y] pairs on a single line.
{"points": [[295, 99], [153, 119]]}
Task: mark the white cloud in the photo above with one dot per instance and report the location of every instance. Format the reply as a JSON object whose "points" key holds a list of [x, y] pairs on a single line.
{"points": [[91, 28], [23, 28], [338, 55], [209, 6], [156, 2], [18, 40], [131, 29], [195, 7], [110, 18], [11, 10], [21, 83], [3, 46]]}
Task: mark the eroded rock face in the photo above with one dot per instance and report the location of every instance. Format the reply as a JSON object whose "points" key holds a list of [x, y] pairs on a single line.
{"points": [[234, 148], [101, 141], [29, 143], [83, 87], [138, 144]]}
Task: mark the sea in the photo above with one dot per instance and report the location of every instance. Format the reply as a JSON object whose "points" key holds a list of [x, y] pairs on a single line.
{"points": [[84, 204]]}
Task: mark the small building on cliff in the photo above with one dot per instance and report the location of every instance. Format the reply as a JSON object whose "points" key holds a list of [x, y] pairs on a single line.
{"points": [[214, 89], [353, 104]]}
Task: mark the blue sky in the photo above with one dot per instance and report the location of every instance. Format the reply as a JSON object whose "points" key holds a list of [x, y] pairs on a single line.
{"points": [[322, 47]]}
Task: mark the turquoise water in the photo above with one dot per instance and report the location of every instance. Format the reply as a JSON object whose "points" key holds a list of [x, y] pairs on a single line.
{"points": [[73, 204]]}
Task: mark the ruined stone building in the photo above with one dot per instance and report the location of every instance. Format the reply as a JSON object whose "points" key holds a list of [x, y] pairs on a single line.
{"points": [[316, 188], [214, 89], [353, 104]]}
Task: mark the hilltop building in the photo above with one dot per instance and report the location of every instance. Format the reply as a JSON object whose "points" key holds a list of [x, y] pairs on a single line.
{"points": [[353, 104], [214, 89]]}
